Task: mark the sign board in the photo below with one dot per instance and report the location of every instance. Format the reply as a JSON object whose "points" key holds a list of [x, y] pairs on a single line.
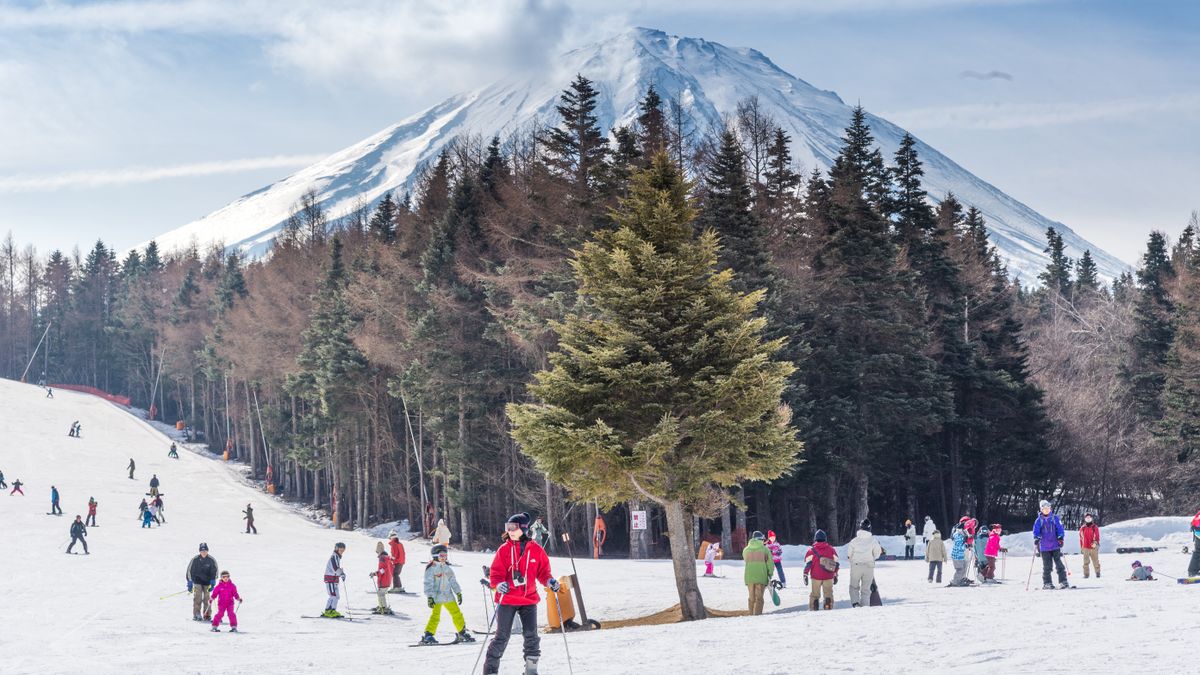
{"points": [[638, 519]]}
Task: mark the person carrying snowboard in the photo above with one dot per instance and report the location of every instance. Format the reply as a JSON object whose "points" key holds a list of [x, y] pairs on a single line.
{"points": [[776, 550], [91, 519], [935, 554], [1089, 544], [78, 532], [710, 555], [928, 530], [862, 552], [520, 564], [910, 540], [131, 468], [173, 453], [539, 533], [225, 593], [442, 590], [821, 564], [55, 509], [1048, 540], [334, 575], [249, 518], [382, 578], [757, 572], [201, 573], [17, 488], [397, 552]]}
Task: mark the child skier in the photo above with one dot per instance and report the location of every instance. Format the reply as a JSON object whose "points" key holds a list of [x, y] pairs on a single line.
{"points": [[979, 550], [333, 575], [147, 516], [17, 488], [1141, 573], [397, 551], [1048, 540], [442, 590], [991, 550], [935, 554], [776, 550], [1089, 544], [821, 564], [519, 565], [382, 578], [225, 592], [714, 550], [91, 519], [958, 554]]}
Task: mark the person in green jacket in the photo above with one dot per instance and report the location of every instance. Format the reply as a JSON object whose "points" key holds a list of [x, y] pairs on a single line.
{"points": [[759, 569]]}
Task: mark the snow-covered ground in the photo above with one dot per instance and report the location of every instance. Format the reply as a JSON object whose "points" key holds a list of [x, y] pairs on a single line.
{"points": [[105, 613]]}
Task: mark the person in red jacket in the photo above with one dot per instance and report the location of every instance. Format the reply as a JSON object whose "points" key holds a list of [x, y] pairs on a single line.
{"points": [[397, 551], [519, 566], [383, 579], [1089, 544], [821, 564]]}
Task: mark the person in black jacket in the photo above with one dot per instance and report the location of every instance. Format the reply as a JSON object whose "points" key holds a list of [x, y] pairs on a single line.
{"points": [[78, 532], [201, 574]]}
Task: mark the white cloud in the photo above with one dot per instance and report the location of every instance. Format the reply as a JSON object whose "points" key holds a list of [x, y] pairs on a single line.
{"points": [[147, 174], [1000, 116]]}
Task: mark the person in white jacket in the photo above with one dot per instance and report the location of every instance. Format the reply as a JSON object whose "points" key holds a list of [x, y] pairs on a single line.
{"points": [[862, 552], [442, 534], [927, 532]]}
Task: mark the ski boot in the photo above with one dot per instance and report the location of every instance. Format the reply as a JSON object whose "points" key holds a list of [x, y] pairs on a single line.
{"points": [[464, 635], [216, 630], [531, 665], [855, 604], [1047, 587], [828, 603], [233, 629], [197, 617], [382, 610], [331, 614], [1064, 585], [427, 639], [814, 605], [1097, 574]]}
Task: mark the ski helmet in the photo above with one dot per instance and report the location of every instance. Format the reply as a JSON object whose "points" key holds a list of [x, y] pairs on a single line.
{"points": [[820, 536], [1196, 520], [521, 519], [393, 534], [757, 535], [1044, 504], [439, 549], [1136, 563], [865, 524]]}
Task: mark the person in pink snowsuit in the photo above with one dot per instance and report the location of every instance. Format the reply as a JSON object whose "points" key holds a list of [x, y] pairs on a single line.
{"points": [[992, 551], [225, 593]]}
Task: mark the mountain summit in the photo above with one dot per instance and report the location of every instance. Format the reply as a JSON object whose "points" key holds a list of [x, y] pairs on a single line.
{"points": [[706, 78]]}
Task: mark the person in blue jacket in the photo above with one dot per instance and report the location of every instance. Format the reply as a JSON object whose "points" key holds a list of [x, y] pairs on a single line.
{"points": [[1048, 540]]}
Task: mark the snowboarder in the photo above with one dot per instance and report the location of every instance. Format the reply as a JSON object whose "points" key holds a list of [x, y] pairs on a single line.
{"points": [[442, 590], [935, 554], [130, 467], [3, 485], [910, 540], [776, 550], [1048, 540], [201, 573], [929, 529], [710, 555], [958, 553], [991, 550], [78, 430], [382, 577], [173, 453], [1141, 573], [154, 485], [758, 571], [397, 550], [17, 488], [821, 564], [1193, 564], [442, 534], [71, 431], [91, 519], [55, 509], [1089, 544], [862, 552], [520, 564], [249, 518], [78, 532], [225, 593], [539, 533], [334, 574]]}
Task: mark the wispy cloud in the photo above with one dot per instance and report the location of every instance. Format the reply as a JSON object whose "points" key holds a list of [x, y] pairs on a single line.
{"points": [[989, 75], [147, 174], [999, 116]]}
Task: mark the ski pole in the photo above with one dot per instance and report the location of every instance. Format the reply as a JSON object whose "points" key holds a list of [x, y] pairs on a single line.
{"points": [[1030, 577], [483, 646], [173, 595], [348, 607], [562, 628]]}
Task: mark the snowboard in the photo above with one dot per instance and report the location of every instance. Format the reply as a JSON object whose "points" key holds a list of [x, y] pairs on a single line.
{"points": [[54, 514], [1190, 580], [1139, 549], [391, 593], [774, 596], [443, 644], [875, 601]]}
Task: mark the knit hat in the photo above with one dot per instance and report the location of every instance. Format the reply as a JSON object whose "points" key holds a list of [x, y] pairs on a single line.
{"points": [[770, 534], [521, 519], [820, 536], [865, 524], [393, 534], [1136, 563], [439, 549], [1044, 504], [339, 545], [757, 535], [203, 546]]}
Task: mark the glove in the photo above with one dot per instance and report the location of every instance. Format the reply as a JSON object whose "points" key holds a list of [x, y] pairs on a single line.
{"points": [[1036, 543], [372, 574], [554, 585], [458, 596], [485, 583], [1060, 543], [502, 588], [805, 579], [835, 580], [429, 601], [189, 585]]}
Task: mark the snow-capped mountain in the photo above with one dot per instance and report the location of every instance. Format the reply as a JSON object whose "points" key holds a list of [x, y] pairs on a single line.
{"points": [[707, 78]]}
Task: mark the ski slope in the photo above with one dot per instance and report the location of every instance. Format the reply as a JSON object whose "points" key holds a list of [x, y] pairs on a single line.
{"points": [[104, 613]]}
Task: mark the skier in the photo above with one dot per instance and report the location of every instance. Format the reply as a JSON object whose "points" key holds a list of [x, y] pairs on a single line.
{"points": [[927, 532], [334, 574], [862, 552], [821, 564], [442, 590], [249, 518], [1141, 573], [154, 485], [958, 553], [49, 392], [1048, 539], [91, 519], [758, 571], [17, 488], [78, 430], [1193, 564], [776, 550], [156, 509], [382, 577], [991, 551], [710, 555], [71, 431], [599, 536], [3, 485], [397, 551], [539, 533], [148, 516], [54, 507], [201, 573], [1089, 544], [173, 453], [910, 540], [78, 532], [935, 554], [520, 564], [130, 467], [225, 593], [442, 534]]}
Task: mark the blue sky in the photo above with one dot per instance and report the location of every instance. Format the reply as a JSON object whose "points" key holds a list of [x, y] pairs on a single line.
{"points": [[125, 119]]}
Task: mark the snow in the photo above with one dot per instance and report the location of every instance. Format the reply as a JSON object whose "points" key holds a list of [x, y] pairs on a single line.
{"points": [[106, 612], [708, 78]]}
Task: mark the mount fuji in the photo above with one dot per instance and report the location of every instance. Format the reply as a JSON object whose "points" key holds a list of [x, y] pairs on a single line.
{"points": [[706, 78]]}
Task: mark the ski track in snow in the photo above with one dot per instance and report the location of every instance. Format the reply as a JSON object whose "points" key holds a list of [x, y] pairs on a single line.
{"points": [[102, 614]]}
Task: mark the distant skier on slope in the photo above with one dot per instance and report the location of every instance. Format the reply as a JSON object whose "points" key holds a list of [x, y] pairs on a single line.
{"points": [[1089, 544], [334, 574], [225, 593], [71, 431], [910, 540], [78, 430], [201, 573], [539, 533], [17, 488], [131, 468], [249, 518], [519, 565], [54, 507], [91, 519], [173, 453], [442, 591], [3, 485], [156, 508], [935, 555], [1048, 539], [396, 549], [78, 532], [821, 564]]}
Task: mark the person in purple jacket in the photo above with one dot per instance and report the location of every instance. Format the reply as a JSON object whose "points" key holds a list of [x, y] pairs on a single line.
{"points": [[1048, 540]]}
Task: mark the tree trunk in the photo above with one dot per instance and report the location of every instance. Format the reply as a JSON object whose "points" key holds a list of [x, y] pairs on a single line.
{"points": [[637, 538], [833, 528], [679, 529], [727, 531], [862, 508], [550, 522]]}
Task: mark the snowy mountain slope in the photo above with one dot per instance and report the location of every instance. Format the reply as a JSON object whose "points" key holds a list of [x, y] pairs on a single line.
{"points": [[707, 78], [102, 613]]}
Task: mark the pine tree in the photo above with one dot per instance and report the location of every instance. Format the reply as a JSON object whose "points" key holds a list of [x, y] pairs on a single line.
{"points": [[1056, 278], [494, 171], [662, 387], [382, 225], [576, 149], [652, 125], [860, 163], [152, 259], [728, 211], [1153, 331], [780, 203], [1087, 278]]}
